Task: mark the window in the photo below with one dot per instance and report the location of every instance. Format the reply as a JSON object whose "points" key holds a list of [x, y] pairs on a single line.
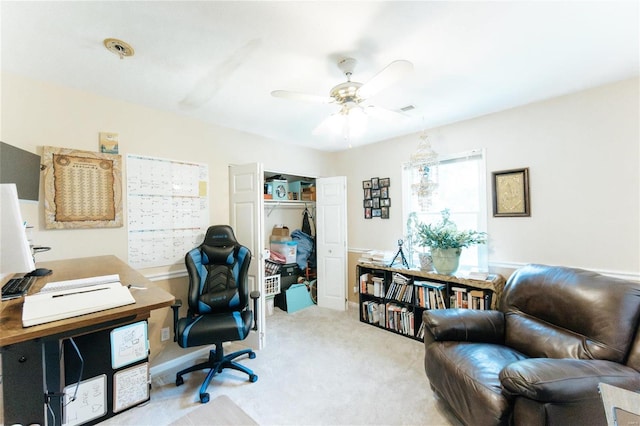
{"points": [[461, 189]]}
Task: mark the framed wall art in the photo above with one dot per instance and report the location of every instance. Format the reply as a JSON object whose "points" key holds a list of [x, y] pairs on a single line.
{"points": [[82, 189], [376, 198], [511, 193]]}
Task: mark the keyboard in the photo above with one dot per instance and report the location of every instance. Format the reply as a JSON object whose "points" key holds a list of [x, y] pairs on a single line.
{"points": [[17, 287]]}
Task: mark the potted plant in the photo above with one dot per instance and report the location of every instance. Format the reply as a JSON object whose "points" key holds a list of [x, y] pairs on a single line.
{"points": [[446, 242]]}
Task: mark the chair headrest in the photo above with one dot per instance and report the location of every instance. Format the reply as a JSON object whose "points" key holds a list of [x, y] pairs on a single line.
{"points": [[220, 236]]}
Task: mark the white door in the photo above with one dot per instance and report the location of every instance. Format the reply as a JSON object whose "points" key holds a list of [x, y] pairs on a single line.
{"points": [[331, 240], [245, 217]]}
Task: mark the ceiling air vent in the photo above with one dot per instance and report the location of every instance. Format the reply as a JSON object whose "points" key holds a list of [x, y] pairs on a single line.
{"points": [[407, 108], [118, 47]]}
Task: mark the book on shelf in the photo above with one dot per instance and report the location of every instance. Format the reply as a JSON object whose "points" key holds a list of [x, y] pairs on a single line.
{"points": [[378, 286], [420, 333]]}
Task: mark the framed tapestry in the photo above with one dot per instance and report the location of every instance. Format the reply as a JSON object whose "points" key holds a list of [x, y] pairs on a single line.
{"points": [[82, 189], [511, 193]]}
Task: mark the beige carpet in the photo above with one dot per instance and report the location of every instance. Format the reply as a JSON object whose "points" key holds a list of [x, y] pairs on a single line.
{"points": [[219, 411], [319, 367]]}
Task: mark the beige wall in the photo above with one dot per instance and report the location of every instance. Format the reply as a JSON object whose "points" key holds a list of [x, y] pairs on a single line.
{"points": [[583, 155], [34, 114], [582, 150]]}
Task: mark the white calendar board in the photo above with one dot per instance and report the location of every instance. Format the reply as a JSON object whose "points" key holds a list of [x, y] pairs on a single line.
{"points": [[129, 344], [130, 387], [90, 401], [167, 209]]}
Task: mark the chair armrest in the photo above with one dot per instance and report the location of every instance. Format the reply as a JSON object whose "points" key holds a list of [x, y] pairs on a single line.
{"points": [[175, 308], [255, 295], [463, 325], [565, 380]]}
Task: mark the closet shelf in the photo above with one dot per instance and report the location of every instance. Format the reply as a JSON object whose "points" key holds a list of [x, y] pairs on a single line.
{"points": [[294, 204]]}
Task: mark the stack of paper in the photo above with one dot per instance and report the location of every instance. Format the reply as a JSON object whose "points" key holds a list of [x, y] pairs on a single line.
{"points": [[50, 306]]}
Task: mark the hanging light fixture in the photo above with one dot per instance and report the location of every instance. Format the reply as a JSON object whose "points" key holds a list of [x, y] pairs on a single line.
{"points": [[348, 123], [423, 165]]}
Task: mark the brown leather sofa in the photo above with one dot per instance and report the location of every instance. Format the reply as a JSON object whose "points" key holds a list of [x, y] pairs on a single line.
{"points": [[538, 359]]}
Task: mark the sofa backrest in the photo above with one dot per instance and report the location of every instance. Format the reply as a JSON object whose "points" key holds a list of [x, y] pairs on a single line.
{"points": [[560, 312]]}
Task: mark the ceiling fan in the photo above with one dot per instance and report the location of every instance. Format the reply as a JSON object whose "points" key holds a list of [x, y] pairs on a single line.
{"points": [[352, 96]]}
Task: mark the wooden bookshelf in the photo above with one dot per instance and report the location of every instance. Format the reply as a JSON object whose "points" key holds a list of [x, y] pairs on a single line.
{"points": [[394, 298]]}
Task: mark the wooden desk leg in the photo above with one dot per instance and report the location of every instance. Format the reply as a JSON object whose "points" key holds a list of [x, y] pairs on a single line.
{"points": [[23, 378]]}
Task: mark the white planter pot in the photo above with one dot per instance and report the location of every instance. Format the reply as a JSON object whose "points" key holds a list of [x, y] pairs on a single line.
{"points": [[445, 261]]}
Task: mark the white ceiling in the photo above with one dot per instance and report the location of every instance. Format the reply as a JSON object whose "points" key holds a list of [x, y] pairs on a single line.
{"points": [[218, 61]]}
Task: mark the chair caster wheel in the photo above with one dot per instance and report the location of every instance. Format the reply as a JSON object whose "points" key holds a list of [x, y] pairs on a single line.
{"points": [[253, 378], [252, 355], [179, 381], [204, 398]]}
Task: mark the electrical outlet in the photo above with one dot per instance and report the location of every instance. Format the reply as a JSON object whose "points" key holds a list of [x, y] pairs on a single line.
{"points": [[355, 289], [164, 335]]}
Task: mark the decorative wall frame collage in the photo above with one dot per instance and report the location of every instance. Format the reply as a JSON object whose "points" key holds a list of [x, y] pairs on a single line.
{"points": [[376, 201]]}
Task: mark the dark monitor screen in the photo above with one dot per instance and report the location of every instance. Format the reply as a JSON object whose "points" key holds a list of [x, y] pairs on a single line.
{"points": [[22, 168]]}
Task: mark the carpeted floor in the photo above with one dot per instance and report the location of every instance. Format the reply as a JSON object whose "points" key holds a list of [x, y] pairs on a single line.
{"points": [[319, 367]]}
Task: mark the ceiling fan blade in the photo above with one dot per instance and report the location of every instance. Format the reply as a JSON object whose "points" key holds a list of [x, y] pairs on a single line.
{"points": [[391, 74], [297, 96], [384, 114]]}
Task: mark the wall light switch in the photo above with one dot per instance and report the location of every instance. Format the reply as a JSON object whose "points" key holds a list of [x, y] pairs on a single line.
{"points": [[164, 335]]}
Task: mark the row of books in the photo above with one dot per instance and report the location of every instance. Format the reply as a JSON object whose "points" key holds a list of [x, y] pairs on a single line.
{"points": [[372, 284], [373, 312], [401, 289], [465, 298], [390, 315], [430, 295], [400, 319], [425, 294]]}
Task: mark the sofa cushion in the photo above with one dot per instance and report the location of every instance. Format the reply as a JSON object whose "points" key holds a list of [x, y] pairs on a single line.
{"points": [[597, 315], [564, 380], [467, 373]]}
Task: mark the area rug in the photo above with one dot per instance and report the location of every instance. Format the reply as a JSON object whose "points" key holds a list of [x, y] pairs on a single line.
{"points": [[219, 411]]}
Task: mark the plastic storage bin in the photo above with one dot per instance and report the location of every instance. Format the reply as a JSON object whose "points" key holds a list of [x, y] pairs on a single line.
{"points": [[271, 285]]}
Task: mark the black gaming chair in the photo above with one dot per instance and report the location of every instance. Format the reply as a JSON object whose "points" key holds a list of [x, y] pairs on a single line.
{"points": [[218, 303]]}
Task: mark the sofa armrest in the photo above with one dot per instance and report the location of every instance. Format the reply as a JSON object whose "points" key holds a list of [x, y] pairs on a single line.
{"points": [[466, 325], [564, 380]]}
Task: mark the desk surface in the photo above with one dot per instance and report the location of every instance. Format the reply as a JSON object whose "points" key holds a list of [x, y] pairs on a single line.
{"points": [[146, 300]]}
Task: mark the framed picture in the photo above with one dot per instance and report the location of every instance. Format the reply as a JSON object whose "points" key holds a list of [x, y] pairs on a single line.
{"points": [[376, 201], [82, 189], [511, 193]]}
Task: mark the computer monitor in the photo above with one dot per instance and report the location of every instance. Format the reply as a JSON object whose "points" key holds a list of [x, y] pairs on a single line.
{"points": [[22, 168], [15, 252]]}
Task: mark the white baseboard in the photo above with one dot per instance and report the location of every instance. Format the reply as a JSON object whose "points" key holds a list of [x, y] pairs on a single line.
{"points": [[185, 359]]}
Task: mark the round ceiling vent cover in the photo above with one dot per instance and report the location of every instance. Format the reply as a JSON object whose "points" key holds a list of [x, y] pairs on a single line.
{"points": [[118, 47]]}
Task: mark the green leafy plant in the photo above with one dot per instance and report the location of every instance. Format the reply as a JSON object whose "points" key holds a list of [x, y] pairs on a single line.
{"points": [[445, 234]]}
